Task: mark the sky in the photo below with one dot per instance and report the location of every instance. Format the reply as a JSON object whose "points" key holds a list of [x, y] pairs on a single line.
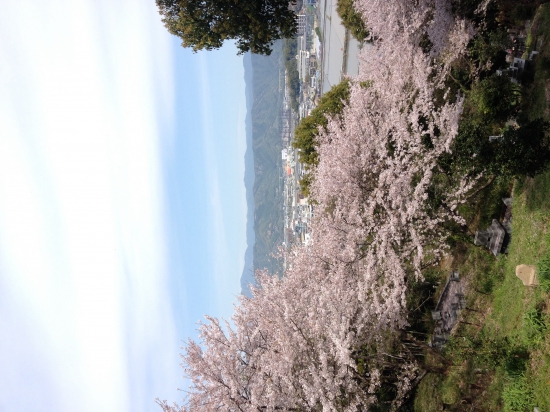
{"points": [[122, 202]]}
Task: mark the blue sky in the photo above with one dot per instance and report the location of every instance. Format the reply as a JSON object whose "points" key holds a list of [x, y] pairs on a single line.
{"points": [[122, 202]]}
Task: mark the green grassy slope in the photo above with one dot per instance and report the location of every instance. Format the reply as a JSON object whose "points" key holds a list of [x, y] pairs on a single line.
{"points": [[500, 352]]}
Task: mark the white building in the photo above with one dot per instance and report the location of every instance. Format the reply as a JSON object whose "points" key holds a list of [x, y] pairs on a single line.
{"points": [[303, 64], [301, 20]]}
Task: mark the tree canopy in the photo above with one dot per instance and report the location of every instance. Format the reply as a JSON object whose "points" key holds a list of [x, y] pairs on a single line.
{"points": [[519, 151], [329, 336], [351, 19], [331, 104], [205, 25], [496, 99]]}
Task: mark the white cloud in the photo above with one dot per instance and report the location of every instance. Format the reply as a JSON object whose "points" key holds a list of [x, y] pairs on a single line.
{"points": [[83, 87]]}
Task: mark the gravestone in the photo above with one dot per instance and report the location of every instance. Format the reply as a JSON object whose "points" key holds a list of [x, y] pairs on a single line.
{"points": [[436, 315], [527, 274], [492, 238]]}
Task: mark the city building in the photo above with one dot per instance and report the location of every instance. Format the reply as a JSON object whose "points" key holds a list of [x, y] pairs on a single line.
{"points": [[301, 20]]}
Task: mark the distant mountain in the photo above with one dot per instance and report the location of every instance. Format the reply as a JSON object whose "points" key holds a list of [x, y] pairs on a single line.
{"points": [[248, 272], [264, 94]]}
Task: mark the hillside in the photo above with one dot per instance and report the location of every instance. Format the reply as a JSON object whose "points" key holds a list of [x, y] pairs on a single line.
{"points": [[264, 100]]}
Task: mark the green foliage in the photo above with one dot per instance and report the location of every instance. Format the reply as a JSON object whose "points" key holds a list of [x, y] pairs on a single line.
{"points": [[427, 397], [319, 34], [521, 151], [331, 104], [205, 25], [486, 204], [515, 363], [471, 143], [505, 361], [491, 102], [420, 300], [482, 350], [543, 268], [450, 390], [514, 12], [351, 19], [534, 103], [293, 77], [543, 272], [496, 99], [518, 396], [305, 184], [466, 8], [536, 326], [384, 396], [488, 50]]}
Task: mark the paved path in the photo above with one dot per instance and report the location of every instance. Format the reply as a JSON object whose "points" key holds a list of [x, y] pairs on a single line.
{"points": [[334, 36], [333, 43]]}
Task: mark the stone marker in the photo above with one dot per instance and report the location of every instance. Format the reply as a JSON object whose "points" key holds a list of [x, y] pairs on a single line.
{"points": [[527, 274]]}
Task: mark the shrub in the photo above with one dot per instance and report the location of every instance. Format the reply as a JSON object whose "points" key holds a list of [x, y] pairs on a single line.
{"points": [[523, 151], [496, 99], [352, 20], [331, 104], [318, 32]]}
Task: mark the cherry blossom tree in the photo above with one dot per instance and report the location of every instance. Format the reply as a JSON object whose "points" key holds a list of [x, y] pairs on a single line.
{"points": [[329, 333]]}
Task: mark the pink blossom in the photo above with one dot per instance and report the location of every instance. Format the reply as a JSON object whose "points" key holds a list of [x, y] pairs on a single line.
{"points": [[294, 344]]}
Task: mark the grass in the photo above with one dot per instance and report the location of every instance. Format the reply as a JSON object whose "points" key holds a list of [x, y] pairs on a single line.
{"points": [[536, 96], [501, 356], [509, 369]]}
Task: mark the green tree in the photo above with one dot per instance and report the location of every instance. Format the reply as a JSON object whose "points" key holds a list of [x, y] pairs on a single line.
{"points": [[521, 151], [488, 50], [331, 104], [293, 77], [351, 19], [206, 24], [496, 99]]}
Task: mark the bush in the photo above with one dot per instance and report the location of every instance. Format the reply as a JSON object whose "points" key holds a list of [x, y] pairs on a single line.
{"points": [[291, 65], [488, 50], [318, 32], [331, 104], [352, 20], [522, 151], [496, 99]]}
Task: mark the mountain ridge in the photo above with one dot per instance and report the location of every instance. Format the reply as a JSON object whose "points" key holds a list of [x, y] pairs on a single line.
{"points": [[264, 100]]}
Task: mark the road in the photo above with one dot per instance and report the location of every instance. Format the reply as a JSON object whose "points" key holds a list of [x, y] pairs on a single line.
{"points": [[334, 38]]}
